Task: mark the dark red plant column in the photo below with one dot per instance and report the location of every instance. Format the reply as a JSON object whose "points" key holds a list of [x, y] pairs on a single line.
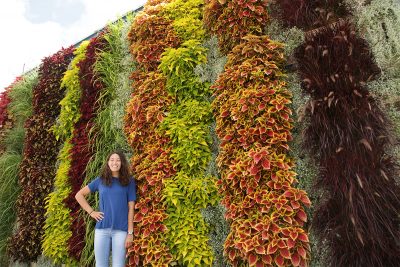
{"points": [[82, 150], [37, 169], [358, 217]]}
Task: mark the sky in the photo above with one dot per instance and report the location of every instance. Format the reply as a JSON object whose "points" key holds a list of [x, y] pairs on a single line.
{"points": [[31, 30]]}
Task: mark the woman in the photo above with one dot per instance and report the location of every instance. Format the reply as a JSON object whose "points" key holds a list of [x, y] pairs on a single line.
{"points": [[117, 191]]}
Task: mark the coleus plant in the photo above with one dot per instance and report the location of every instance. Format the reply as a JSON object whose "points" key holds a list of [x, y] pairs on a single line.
{"points": [[187, 125], [231, 20], [37, 169], [149, 36], [348, 134], [266, 213], [81, 150]]}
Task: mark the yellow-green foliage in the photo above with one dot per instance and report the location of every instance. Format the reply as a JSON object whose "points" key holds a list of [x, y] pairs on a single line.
{"points": [[187, 234], [70, 103], [187, 127], [58, 221], [178, 65], [186, 16]]}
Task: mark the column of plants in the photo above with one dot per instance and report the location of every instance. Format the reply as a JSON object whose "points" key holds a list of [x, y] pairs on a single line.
{"points": [[150, 35], [187, 126], [16, 108], [58, 220], [37, 169], [113, 66], [265, 211], [348, 135], [81, 147]]}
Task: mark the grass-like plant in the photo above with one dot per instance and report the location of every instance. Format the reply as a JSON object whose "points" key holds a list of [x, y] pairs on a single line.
{"points": [[113, 67], [20, 107]]}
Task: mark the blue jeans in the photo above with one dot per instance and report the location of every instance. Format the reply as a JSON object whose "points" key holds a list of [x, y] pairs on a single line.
{"points": [[104, 239]]}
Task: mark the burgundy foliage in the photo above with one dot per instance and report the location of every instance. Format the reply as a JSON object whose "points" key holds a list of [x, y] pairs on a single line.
{"points": [[308, 14], [6, 118], [82, 151], [37, 169], [358, 218]]}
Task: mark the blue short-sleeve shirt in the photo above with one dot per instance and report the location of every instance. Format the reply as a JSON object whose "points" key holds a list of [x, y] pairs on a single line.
{"points": [[114, 202]]}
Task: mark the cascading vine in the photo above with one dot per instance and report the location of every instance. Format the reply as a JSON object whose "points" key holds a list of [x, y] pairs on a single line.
{"points": [[37, 169], [58, 220], [265, 211], [150, 35]]}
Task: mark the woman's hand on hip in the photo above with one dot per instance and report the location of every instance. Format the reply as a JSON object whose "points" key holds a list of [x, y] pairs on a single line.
{"points": [[97, 215], [128, 241]]}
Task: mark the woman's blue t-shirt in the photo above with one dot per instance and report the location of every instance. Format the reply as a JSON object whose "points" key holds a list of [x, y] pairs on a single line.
{"points": [[114, 202]]}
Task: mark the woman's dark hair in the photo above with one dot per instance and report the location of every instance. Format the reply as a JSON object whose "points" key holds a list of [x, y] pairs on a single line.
{"points": [[124, 171]]}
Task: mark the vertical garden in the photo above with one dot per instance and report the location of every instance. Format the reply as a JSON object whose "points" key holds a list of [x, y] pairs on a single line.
{"points": [[260, 133]]}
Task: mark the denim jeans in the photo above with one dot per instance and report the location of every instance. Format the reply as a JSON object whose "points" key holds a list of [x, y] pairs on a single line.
{"points": [[106, 239]]}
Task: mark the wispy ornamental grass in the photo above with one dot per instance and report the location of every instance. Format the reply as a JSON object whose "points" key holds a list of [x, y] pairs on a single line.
{"points": [[113, 67], [21, 108]]}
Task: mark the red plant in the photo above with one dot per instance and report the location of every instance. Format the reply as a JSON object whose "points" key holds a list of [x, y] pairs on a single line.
{"points": [[81, 151], [358, 218], [37, 169], [151, 165], [150, 35], [253, 122], [6, 119], [308, 14], [231, 20]]}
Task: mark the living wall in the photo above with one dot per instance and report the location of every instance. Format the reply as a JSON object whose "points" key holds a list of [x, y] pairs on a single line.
{"points": [[260, 133]]}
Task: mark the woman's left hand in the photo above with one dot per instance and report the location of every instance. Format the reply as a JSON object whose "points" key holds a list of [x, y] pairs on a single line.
{"points": [[128, 241]]}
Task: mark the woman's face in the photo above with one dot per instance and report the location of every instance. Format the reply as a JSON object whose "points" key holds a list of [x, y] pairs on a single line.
{"points": [[114, 163]]}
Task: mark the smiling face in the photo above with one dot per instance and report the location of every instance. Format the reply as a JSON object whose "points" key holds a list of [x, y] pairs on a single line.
{"points": [[114, 163]]}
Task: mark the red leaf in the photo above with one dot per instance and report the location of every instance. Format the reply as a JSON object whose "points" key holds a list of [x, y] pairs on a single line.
{"points": [[302, 215], [279, 260], [225, 114], [290, 243], [295, 259], [303, 237], [260, 250], [227, 137], [259, 264], [254, 170], [266, 164], [252, 259], [232, 254], [265, 235], [261, 106], [306, 201], [285, 253], [271, 249], [267, 259], [302, 252]]}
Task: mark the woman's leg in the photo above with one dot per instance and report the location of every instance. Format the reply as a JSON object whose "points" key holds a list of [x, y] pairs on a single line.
{"points": [[102, 241], [118, 248]]}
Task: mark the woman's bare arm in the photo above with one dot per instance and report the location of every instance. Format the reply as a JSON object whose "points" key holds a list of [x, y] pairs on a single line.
{"points": [[81, 198]]}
